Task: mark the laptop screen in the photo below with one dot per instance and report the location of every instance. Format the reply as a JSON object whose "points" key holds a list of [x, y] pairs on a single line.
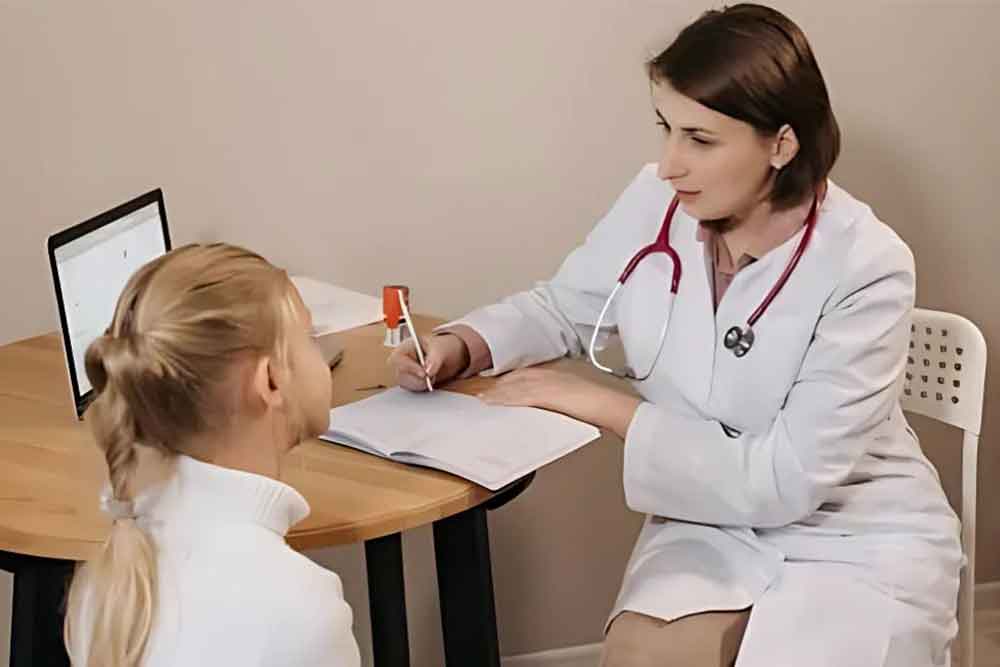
{"points": [[91, 268]]}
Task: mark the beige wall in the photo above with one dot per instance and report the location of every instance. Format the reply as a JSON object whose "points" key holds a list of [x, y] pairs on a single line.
{"points": [[463, 148]]}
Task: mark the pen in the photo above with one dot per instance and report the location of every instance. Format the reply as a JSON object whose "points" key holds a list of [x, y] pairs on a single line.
{"points": [[416, 341]]}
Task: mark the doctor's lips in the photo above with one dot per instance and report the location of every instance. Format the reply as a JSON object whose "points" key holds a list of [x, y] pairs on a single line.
{"points": [[688, 194]]}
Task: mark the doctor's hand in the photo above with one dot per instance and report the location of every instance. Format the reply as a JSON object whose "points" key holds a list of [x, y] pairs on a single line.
{"points": [[446, 356], [569, 394]]}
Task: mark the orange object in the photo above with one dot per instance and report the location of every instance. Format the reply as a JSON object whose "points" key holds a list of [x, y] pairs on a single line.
{"points": [[390, 304]]}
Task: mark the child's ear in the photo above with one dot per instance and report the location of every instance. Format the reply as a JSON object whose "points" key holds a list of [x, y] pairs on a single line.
{"points": [[265, 383]]}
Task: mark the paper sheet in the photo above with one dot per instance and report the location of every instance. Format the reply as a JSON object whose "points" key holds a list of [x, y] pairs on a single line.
{"points": [[337, 308]]}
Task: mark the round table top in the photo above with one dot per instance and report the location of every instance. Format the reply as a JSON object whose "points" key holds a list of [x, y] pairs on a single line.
{"points": [[51, 472]]}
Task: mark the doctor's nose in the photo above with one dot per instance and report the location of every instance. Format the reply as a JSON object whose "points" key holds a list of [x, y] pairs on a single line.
{"points": [[670, 167]]}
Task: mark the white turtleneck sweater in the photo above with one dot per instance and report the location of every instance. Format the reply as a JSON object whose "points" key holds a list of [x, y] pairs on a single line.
{"points": [[231, 591]]}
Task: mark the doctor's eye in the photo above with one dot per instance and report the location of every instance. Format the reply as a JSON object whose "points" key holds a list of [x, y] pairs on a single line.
{"points": [[702, 142]]}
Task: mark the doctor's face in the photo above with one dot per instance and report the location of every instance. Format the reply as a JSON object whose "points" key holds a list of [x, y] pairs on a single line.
{"points": [[719, 166]]}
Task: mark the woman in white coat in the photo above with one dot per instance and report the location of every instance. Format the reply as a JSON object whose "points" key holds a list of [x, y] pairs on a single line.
{"points": [[792, 518]]}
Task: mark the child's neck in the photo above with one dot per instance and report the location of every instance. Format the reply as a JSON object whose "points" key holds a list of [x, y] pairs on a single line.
{"points": [[252, 447], [260, 460]]}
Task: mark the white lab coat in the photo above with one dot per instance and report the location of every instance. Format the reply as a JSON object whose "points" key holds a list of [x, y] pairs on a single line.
{"points": [[823, 514]]}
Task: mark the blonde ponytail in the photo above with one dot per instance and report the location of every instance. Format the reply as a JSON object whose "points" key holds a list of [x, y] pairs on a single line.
{"points": [[124, 572], [159, 377]]}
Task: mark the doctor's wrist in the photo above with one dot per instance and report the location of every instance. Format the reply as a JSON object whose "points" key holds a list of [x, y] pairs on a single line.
{"points": [[617, 411], [473, 356], [456, 356]]}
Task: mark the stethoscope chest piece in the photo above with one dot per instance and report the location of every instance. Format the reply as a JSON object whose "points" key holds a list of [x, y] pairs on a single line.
{"points": [[739, 340]]}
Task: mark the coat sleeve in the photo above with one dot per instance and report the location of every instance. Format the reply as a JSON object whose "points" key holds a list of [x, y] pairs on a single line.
{"points": [[682, 465], [557, 318]]}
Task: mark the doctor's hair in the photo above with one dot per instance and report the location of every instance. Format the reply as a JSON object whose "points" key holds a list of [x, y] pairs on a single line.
{"points": [[754, 64], [163, 372]]}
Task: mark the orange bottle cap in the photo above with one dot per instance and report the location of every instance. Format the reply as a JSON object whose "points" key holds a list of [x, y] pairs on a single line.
{"points": [[391, 309]]}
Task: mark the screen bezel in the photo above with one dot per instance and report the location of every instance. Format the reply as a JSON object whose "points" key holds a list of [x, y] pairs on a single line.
{"points": [[59, 239]]}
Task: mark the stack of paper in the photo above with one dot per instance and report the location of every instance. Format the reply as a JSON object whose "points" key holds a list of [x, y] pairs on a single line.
{"points": [[336, 308]]}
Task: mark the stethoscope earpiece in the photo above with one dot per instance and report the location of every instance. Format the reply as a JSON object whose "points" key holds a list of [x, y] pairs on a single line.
{"points": [[740, 341]]}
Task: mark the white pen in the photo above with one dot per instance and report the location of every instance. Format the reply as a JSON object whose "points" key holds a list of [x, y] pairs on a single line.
{"points": [[413, 334]]}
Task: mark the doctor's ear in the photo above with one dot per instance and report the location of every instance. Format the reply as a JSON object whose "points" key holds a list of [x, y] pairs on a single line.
{"points": [[785, 148]]}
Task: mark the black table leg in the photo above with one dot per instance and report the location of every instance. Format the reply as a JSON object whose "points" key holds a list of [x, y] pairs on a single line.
{"points": [[387, 601], [465, 586], [38, 610]]}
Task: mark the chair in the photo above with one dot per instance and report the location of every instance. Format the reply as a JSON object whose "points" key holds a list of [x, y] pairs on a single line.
{"points": [[945, 378]]}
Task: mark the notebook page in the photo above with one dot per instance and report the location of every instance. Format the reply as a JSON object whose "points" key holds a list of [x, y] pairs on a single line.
{"points": [[481, 442]]}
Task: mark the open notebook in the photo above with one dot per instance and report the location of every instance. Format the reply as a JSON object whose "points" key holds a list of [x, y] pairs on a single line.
{"points": [[489, 445]]}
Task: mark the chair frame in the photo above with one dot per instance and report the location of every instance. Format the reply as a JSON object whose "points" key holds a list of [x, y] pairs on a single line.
{"points": [[945, 380]]}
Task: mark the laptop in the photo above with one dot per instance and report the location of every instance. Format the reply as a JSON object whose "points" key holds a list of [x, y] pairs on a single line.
{"points": [[91, 262]]}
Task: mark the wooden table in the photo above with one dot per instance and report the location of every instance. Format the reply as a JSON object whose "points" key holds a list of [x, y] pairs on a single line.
{"points": [[51, 474]]}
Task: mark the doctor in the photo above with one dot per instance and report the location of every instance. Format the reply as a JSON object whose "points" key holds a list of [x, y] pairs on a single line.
{"points": [[792, 518]]}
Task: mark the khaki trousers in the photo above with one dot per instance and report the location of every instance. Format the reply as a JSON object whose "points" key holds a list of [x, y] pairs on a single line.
{"points": [[710, 639]]}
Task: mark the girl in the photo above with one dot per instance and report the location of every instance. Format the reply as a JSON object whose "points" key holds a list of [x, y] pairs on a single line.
{"points": [[206, 377]]}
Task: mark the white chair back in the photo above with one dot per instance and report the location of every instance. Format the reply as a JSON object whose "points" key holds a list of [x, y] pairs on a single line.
{"points": [[945, 380]]}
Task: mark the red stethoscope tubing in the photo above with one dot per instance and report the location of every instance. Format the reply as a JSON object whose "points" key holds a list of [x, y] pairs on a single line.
{"points": [[662, 244]]}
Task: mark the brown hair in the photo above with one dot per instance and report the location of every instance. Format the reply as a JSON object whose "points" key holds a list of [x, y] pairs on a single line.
{"points": [[161, 374], [754, 64]]}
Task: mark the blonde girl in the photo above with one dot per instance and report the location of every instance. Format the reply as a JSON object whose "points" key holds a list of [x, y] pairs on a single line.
{"points": [[206, 377]]}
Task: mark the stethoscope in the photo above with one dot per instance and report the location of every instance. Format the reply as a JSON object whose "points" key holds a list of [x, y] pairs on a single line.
{"points": [[738, 339]]}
